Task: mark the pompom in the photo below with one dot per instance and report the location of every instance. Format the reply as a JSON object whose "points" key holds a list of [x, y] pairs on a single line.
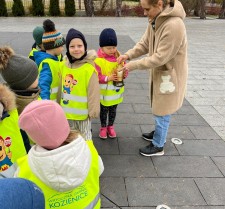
{"points": [[5, 54], [48, 25], [7, 97]]}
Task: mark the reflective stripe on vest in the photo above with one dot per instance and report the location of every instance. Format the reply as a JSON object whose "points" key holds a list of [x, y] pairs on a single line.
{"points": [[112, 98], [54, 66], [85, 196], [109, 87], [11, 141], [94, 202], [110, 95], [75, 83], [74, 98], [74, 111]]}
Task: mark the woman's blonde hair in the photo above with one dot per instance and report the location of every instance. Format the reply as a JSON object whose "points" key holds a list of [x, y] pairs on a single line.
{"points": [[165, 2]]}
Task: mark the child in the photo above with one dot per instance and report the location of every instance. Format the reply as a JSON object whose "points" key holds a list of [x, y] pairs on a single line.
{"points": [[11, 142], [37, 46], [80, 87], [111, 96], [48, 63], [21, 74], [12, 194], [62, 163]]}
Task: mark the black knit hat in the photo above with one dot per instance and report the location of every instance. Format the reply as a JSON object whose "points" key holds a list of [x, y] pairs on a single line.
{"points": [[18, 71], [51, 38], [73, 33], [108, 38]]}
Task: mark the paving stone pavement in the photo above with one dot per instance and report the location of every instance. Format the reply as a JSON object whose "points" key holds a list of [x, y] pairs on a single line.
{"points": [[188, 176]]}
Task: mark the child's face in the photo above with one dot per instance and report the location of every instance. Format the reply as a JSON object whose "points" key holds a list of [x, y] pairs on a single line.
{"points": [[109, 50], [76, 48], [56, 51]]}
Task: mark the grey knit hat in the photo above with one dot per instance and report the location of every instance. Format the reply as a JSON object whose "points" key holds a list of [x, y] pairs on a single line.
{"points": [[18, 71]]}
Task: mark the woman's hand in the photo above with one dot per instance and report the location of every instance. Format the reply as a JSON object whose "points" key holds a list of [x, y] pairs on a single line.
{"points": [[125, 72], [122, 58]]}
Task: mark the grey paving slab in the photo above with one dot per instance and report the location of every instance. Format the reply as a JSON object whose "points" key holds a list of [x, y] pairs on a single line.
{"points": [[203, 132], [114, 190], [109, 147], [156, 191], [181, 132], [125, 108], [188, 120], [128, 166], [134, 119], [129, 85], [202, 147], [213, 190], [136, 100], [220, 163], [105, 202], [187, 110], [142, 108], [185, 166], [209, 110], [134, 92]]}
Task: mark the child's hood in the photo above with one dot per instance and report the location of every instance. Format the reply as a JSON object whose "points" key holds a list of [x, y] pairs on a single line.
{"points": [[39, 56], [7, 98], [63, 168]]}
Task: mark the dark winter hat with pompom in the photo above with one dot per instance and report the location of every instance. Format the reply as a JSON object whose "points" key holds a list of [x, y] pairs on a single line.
{"points": [[51, 38], [108, 38], [18, 71]]}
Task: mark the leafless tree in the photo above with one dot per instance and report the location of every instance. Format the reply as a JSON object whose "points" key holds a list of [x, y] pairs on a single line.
{"points": [[118, 8], [222, 11], [89, 8], [104, 4], [197, 8], [202, 9]]}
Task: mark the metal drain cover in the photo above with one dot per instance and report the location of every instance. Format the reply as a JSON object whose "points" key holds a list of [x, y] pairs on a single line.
{"points": [[176, 141], [163, 207]]}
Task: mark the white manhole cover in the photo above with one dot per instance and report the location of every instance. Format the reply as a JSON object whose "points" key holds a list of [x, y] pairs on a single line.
{"points": [[176, 141], [163, 207]]}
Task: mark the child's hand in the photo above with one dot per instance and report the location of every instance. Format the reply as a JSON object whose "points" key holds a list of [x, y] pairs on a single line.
{"points": [[112, 77]]}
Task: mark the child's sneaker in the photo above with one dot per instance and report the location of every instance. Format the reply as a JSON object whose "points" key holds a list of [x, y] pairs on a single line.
{"points": [[103, 133], [111, 132]]}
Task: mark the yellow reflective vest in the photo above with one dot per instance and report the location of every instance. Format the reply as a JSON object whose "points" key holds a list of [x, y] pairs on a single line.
{"points": [[11, 141], [54, 67], [31, 54], [74, 90], [85, 196], [110, 94]]}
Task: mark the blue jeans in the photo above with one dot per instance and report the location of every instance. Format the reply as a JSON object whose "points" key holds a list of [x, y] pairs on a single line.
{"points": [[161, 129]]}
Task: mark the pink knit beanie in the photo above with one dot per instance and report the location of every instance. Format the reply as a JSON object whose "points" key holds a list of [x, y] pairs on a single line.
{"points": [[45, 122]]}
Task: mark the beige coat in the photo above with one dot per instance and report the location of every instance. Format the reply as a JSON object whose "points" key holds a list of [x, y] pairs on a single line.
{"points": [[167, 60]]}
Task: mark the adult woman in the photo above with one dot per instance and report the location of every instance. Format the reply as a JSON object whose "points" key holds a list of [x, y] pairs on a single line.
{"points": [[165, 42]]}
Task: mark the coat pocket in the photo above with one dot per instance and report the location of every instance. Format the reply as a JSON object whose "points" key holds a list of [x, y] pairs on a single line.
{"points": [[165, 81]]}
